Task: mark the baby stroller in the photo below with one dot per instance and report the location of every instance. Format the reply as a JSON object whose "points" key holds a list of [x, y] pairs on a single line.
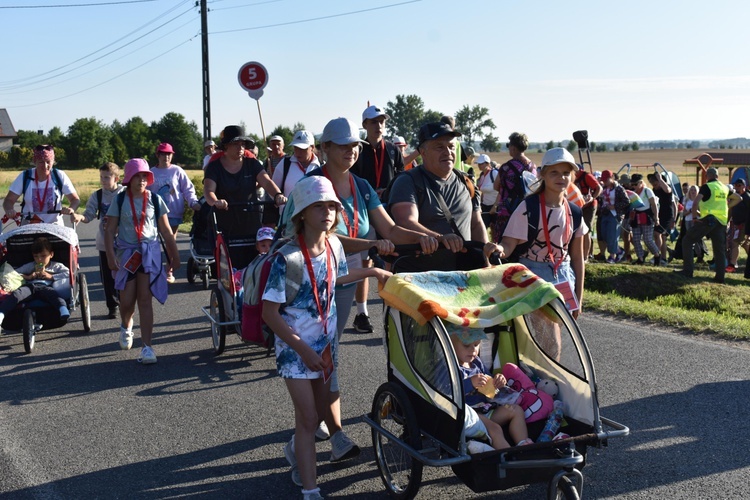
{"points": [[417, 416], [201, 261], [224, 309], [33, 316]]}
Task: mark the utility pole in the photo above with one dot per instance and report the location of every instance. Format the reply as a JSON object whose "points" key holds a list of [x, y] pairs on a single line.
{"points": [[206, 86]]}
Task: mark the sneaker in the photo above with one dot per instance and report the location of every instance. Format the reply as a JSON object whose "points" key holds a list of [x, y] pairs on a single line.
{"points": [[362, 323], [476, 447], [730, 268], [342, 448], [289, 454], [147, 356], [638, 262], [611, 259], [663, 263], [126, 338], [311, 494], [525, 442], [64, 313], [620, 255], [112, 312], [170, 277], [322, 433]]}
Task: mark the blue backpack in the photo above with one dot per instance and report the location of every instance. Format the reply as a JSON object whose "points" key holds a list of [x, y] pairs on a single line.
{"points": [[28, 176]]}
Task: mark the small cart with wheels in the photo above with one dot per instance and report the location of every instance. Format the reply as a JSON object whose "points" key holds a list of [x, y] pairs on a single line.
{"points": [[417, 416], [31, 317]]}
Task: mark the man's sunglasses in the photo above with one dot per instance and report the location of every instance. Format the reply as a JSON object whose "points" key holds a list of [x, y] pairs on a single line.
{"points": [[44, 148]]}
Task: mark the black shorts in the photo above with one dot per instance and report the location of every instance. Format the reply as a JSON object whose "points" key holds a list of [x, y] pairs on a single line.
{"points": [[131, 276]]}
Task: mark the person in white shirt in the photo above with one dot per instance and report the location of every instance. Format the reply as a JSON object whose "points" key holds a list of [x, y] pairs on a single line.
{"points": [[42, 188], [292, 168]]}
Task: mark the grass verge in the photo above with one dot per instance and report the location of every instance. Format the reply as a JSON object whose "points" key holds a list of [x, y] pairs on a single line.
{"points": [[658, 295]]}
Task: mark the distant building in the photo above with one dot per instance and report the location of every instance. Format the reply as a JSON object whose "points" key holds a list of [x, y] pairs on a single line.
{"points": [[7, 131]]}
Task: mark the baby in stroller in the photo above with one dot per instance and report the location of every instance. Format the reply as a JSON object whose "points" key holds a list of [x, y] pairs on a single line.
{"points": [[39, 276], [479, 387]]}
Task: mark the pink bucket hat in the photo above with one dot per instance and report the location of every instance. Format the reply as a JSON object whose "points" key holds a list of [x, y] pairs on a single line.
{"points": [[135, 166], [311, 190]]}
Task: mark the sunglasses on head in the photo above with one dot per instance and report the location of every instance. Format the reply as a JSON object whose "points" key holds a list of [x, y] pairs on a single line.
{"points": [[46, 147]]}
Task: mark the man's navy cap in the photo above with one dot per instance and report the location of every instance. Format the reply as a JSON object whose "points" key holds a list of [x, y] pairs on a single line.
{"points": [[430, 131]]}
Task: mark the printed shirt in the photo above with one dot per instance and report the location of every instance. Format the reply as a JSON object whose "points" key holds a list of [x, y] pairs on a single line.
{"points": [[36, 192], [302, 314], [174, 187], [518, 228]]}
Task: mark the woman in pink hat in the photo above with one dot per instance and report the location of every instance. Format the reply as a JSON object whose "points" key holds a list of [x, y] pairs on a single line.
{"points": [[134, 221], [175, 188]]}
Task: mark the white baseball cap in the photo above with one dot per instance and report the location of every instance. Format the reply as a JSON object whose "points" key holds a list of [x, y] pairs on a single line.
{"points": [[482, 159], [276, 138], [302, 139], [399, 141], [558, 155], [373, 112], [340, 131]]}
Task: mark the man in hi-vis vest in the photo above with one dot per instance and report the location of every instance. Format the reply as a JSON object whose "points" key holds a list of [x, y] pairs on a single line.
{"points": [[710, 216]]}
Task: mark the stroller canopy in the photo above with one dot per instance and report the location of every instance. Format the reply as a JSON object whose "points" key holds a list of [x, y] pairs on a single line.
{"points": [[66, 234]]}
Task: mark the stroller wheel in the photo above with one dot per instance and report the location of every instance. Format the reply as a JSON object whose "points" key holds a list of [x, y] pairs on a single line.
{"points": [[83, 291], [568, 487], [401, 473], [29, 331], [218, 332], [204, 279], [191, 270]]}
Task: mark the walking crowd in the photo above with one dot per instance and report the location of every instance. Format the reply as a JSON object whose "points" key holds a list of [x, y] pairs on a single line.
{"points": [[335, 200]]}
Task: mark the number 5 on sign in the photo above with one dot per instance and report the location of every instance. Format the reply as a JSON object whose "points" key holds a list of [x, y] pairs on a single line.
{"points": [[253, 77]]}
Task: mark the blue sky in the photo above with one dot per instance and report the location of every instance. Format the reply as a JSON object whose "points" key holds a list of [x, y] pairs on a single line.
{"points": [[637, 70]]}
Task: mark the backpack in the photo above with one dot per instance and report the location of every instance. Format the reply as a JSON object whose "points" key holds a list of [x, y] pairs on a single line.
{"points": [[155, 201], [28, 177], [255, 278], [516, 195], [532, 214]]}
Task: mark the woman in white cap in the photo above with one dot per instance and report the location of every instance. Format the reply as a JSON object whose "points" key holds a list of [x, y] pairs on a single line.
{"points": [[486, 183], [306, 343]]}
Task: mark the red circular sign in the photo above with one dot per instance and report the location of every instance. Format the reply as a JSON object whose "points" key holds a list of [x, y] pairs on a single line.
{"points": [[252, 76]]}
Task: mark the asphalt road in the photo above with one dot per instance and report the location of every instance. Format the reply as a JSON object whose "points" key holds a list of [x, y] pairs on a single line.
{"points": [[79, 418]]}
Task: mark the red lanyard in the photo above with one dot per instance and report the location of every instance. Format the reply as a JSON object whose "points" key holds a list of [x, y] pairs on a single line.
{"points": [[43, 200], [314, 282], [379, 163], [566, 236], [138, 225], [352, 228]]}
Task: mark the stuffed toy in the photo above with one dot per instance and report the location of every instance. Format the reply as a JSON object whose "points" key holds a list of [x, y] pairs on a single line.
{"points": [[536, 400]]}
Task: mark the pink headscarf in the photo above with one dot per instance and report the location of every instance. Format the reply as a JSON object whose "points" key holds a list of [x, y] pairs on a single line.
{"points": [[45, 155]]}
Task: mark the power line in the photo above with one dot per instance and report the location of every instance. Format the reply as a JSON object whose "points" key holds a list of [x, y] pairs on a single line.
{"points": [[13, 84], [111, 61], [105, 81], [73, 5], [243, 5], [315, 18]]}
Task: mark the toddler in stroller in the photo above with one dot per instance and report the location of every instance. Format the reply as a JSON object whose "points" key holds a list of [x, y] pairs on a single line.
{"points": [[39, 276]]}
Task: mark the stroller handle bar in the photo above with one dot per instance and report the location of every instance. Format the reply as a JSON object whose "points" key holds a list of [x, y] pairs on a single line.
{"points": [[413, 249]]}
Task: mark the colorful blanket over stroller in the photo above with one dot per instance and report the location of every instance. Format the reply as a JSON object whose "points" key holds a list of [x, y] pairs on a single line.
{"points": [[475, 299]]}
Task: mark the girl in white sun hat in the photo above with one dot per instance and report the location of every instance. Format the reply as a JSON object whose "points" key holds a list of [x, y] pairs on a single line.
{"points": [[305, 330]]}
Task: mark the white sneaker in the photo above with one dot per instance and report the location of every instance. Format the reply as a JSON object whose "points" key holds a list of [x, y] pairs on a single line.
{"points": [[292, 459], [476, 447], [126, 338], [342, 448], [312, 494], [147, 356], [322, 433]]}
